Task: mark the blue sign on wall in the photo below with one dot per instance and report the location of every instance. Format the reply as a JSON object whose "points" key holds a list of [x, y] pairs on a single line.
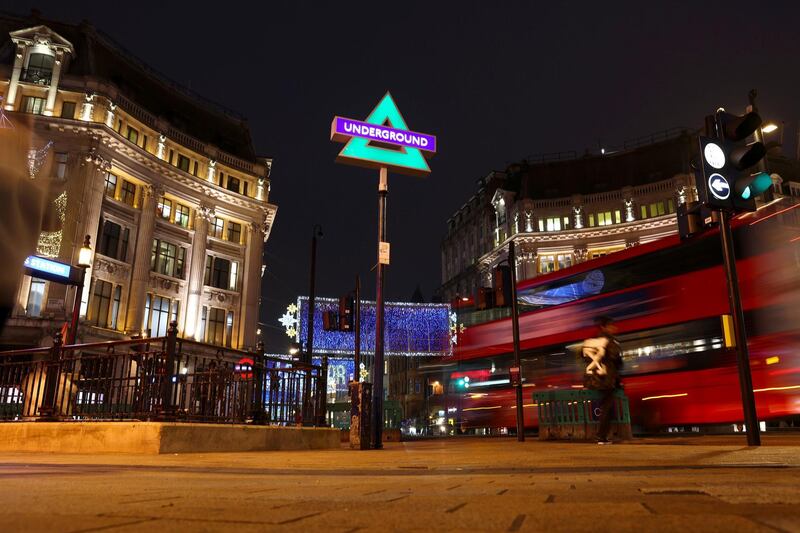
{"points": [[42, 267]]}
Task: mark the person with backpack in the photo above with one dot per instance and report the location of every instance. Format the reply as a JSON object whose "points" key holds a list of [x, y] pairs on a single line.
{"points": [[603, 365]]}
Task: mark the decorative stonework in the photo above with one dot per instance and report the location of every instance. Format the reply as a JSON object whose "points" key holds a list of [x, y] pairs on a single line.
{"points": [[581, 254], [116, 270], [205, 212], [165, 285]]}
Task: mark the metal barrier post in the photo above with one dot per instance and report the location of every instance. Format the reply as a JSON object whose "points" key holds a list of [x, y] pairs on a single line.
{"points": [[322, 392], [48, 413], [258, 385]]}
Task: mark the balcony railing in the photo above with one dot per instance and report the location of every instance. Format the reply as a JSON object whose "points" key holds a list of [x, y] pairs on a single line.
{"points": [[38, 76], [161, 378]]}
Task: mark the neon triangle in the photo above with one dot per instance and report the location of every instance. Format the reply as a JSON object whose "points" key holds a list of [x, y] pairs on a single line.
{"points": [[406, 158]]}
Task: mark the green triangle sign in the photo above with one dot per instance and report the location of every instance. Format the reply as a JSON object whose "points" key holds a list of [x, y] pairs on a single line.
{"points": [[404, 159]]}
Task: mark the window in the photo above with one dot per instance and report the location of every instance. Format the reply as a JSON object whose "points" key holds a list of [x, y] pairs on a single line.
{"points": [[61, 165], [111, 184], [167, 258], [229, 330], [32, 104], [68, 110], [171, 155], [591, 221], [183, 163], [181, 215], [216, 227], [245, 188], [541, 225], [234, 232], [110, 239], [553, 224], [233, 184], [207, 275], [234, 275], [159, 316], [604, 219], [201, 334], [566, 222], [39, 70], [644, 211], [220, 273], [123, 245], [164, 208], [127, 192], [617, 216], [546, 264], [35, 297], [115, 306], [119, 126], [133, 135], [176, 305], [657, 209], [194, 168], [146, 312], [216, 326], [144, 142], [221, 179], [670, 206], [100, 303]]}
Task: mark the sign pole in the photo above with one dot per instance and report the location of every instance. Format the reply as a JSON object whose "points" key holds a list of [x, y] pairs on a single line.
{"points": [[742, 354], [377, 391], [512, 263]]}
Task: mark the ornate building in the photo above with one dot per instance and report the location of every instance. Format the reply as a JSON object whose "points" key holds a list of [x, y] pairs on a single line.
{"points": [[566, 210], [165, 183]]}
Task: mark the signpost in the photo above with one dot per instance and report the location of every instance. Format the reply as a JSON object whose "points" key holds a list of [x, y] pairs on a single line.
{"points": [[385, 142]]}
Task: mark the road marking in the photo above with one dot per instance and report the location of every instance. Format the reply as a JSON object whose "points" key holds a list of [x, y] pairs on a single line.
{"points": [[517, 523]]}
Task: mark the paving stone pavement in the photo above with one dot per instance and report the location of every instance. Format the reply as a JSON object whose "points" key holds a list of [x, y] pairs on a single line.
{"points": [[702, 484]]}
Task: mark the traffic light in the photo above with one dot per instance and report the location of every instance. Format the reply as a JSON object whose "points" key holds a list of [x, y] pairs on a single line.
{"points": [[346, 306], [462, 383], [724, 179]]}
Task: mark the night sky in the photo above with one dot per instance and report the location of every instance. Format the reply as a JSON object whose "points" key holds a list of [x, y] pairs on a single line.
{"points": [[495, 84]]}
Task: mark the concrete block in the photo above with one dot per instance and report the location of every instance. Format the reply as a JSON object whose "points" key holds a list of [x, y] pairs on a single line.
{"points": [[159, 437]]}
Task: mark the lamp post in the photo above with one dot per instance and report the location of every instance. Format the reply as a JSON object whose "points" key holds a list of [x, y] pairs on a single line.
{"points": [[511, 260], [84, 262], [308, 359]]}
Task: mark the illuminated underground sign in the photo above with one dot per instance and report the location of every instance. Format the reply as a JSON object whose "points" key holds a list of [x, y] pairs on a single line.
{"points": [[383, 140], [42, 267], [344, 128]]}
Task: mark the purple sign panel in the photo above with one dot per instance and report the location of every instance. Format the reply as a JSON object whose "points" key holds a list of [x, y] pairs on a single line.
{"points": [[343, 129]]}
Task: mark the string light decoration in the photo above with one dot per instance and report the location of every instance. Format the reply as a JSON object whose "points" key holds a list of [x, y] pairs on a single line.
{"points": [[456, 328], [36, 159], [49, 243], [289, 321], [412, 329]]}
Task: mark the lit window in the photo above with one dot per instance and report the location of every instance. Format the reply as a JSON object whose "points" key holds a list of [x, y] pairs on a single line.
{"points": [[541, 225], [546, 264], [591, 221], [159, 316], [229, 330], [61, 165], [617, 216], [111, 184], [182, 215], [35, 298], [644, 211], [33, 105], [164, 207], [216, 227], [133, 135], [234, 275], [115, 306], [167, 258]]}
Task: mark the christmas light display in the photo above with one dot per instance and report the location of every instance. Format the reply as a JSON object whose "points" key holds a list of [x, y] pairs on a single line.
{"points": [[412, 329]]}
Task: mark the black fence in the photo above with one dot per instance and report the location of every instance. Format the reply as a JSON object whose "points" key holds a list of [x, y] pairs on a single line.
{"points": [[159, 379]]}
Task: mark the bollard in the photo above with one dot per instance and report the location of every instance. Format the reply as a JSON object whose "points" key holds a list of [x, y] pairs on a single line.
{"points": [[48, 412], [360, 415]]}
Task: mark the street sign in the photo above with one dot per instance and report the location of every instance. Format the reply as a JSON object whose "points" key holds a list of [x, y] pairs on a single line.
{"points": [[374, 144], [719, 186], [383, 253], [45, 268]]}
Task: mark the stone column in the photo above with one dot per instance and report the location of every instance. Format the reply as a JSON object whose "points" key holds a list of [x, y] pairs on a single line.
{"points": [[13, 84], [53, 90], [197, 265], [251, 286], [140, 275], [90, 218]]}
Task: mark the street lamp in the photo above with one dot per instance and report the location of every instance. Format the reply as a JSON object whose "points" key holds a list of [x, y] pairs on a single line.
{"points": [[769, 127], [516, 372], [84, 262], [316, 232]]}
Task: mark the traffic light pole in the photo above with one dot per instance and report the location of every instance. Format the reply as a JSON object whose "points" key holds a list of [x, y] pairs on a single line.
{"points": [[377, 390], [512, 263], [742, 353]]}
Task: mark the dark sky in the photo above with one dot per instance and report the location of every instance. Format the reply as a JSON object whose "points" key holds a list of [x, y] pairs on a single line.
{"points": [[495, 84]]}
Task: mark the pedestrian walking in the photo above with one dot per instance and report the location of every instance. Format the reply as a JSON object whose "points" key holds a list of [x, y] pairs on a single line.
{"points": [[603, 365]]}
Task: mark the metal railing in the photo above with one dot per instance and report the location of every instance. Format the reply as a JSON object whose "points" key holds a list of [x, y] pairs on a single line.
{"points": [[158, 379], [39, 76]]}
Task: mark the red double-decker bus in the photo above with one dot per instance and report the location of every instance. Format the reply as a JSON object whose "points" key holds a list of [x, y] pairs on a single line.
{"points": [[668, 298]]}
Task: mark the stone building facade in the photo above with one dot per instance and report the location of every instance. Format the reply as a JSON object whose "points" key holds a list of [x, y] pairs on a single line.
{"points": [[166, 184]]}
